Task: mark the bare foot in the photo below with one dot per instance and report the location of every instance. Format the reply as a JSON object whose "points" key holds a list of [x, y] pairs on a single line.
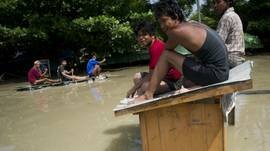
{"points": [[183, 90], [146, 96], [139, 99]]}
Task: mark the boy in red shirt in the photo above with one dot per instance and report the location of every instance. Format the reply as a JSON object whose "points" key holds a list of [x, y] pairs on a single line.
{"points": [[145, 34]]}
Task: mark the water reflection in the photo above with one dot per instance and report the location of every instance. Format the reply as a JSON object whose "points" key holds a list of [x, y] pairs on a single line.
{"points": [[7, 148], [96, 93], [125, 140], [41, 100]]}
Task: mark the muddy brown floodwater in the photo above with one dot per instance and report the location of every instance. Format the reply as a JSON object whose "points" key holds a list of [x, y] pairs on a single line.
{"points": [[79, 117]]}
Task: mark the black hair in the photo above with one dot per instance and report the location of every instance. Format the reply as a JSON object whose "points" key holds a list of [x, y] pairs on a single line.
{"points": [[230, 2], [146, 27], [93, 54], [62, 60], [169, 8]]}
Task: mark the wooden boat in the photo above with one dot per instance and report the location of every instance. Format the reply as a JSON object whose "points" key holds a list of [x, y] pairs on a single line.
{"points": [[42, 86]]}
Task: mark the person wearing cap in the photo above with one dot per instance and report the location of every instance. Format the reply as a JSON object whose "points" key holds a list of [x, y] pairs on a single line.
{"points": [[230, 29], [35, 75]]}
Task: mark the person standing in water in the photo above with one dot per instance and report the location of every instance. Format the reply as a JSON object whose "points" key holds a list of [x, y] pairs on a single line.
{"points": [[230, 29], [211, 63], [145, 33], [35, 75], [93, 68]]}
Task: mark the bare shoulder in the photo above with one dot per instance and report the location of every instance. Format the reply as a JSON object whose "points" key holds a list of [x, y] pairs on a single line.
{"points": [[185, 31], [189, 35], [173, 32], [178, 32]]}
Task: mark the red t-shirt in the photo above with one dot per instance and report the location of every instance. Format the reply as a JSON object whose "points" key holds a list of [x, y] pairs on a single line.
{"points": [[33, 75], [155, 52]]}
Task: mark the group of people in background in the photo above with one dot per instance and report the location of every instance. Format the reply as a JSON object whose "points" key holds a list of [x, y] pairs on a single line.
{"points": [[214, 52], [93, 69]]}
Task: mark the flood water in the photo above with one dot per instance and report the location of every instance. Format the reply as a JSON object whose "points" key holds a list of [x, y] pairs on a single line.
{"points": [[79, 117]]}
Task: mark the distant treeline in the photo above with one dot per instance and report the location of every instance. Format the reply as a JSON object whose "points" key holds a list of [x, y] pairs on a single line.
{"points": [[44, 28], [36, 29]]}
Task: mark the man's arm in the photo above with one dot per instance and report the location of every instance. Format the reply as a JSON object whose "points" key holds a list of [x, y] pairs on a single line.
{"points": [[223, 28], [102, 61], [69, 72], [44, 73], [65, 74], [172, 41]]}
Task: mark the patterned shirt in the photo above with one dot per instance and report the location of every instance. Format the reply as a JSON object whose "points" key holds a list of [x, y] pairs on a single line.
{"points": [[230, 29]]}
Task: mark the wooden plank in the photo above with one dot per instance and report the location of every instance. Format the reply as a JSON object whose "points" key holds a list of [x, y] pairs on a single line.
{"points": [[187, 97], [214, 130], [225, 137], [143, 127], [153, 131], [184, 127], [173, 123], [198, 128]]}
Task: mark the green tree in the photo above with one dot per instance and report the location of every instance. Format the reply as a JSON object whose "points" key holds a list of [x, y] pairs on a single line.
{"points": [[101, 25], [253, 13]]}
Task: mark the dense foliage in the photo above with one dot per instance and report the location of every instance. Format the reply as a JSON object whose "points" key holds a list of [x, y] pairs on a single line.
{"points": [[254, 15], [104, 26], [48, 26]]}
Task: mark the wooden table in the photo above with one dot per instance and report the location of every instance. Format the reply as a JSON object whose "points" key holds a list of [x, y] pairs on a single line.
{"points": [[190, 121]]}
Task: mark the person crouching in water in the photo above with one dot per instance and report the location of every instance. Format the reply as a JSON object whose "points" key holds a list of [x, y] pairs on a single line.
{"points": [[35, 75], [93, 68], [145, 33], [211, 63], [65, 75]]}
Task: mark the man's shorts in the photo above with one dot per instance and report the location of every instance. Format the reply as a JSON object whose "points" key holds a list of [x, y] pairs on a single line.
{"points": [[173, 85], [203, 74]]}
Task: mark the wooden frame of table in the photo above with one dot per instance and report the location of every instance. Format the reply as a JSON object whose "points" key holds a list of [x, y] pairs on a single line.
{"points": [[185, 122]]}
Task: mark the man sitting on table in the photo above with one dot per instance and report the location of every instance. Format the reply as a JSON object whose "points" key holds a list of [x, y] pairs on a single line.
{"points": [[145, 33], [211, 63], [65, 75], [35, 75], [230, 29]]}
